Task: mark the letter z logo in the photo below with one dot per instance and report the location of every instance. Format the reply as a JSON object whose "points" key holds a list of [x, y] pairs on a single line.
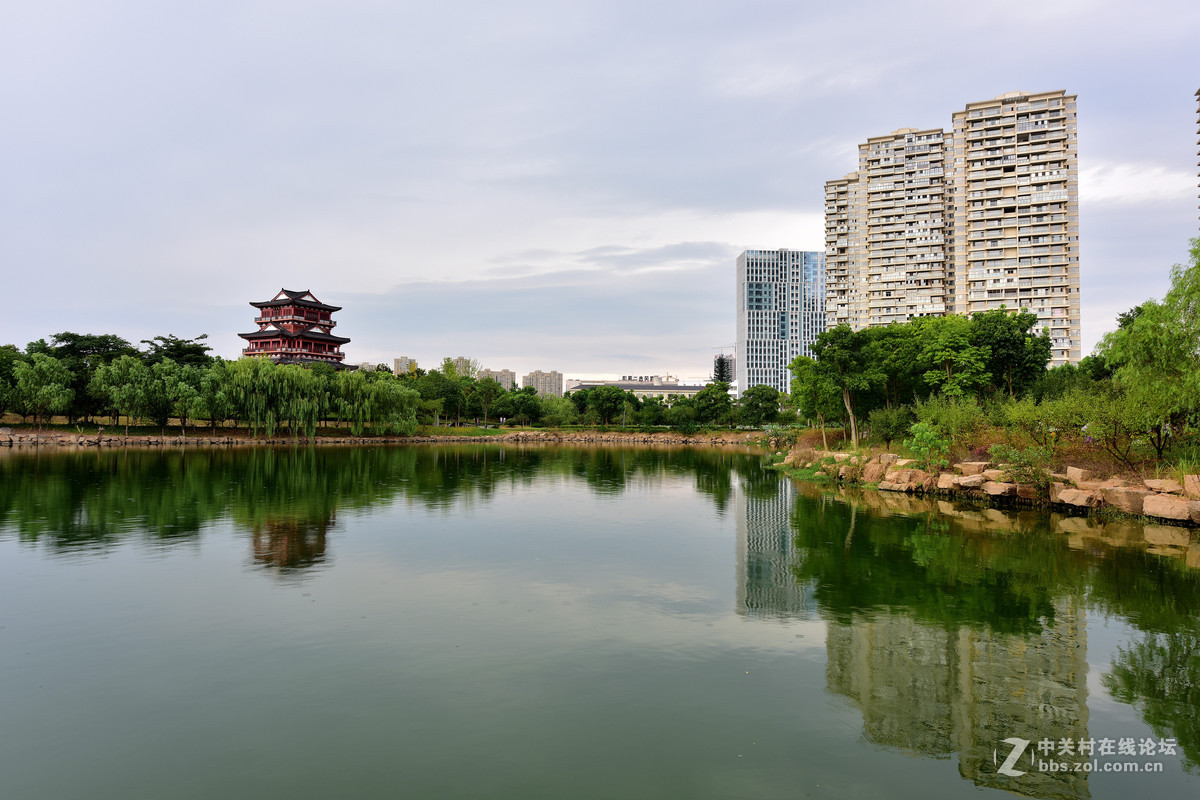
{"points": [[1018, 749]]}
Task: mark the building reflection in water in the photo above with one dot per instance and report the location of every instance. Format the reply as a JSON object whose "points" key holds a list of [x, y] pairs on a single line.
{"points": [[940, 692], [943, 687], [766, 550], [289, 545]]}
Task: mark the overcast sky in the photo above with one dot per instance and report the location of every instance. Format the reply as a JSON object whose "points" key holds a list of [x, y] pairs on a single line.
{"points": [[537, 185]]}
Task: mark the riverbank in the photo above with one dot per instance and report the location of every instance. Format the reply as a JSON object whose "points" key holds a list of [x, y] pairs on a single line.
{"points": [[50, 439], [1164, 500]]}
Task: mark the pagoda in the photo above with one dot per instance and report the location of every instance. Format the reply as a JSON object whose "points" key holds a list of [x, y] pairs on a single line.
{"points": [[295, 328]]}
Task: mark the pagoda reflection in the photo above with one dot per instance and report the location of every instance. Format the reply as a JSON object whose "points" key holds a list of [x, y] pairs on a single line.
{"points": [[291, 545]]}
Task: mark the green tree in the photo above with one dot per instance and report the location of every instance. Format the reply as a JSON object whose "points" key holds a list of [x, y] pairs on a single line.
{"points": [[758, 405], [607, 402], [188, 352], [122, 384], [43, 385], [814, 395], [1156, 355], [713, 404], [953, 364], [723, 369], [1016, 356], [180, 387], [843, 361], [889, 424], [487, 390]]}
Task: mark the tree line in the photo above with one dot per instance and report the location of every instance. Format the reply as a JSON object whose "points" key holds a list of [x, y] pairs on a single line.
{"points": [[86, 378], [1138, 390]]}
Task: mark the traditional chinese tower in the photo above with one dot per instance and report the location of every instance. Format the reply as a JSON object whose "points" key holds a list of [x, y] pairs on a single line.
{"points": [[295, 328]]}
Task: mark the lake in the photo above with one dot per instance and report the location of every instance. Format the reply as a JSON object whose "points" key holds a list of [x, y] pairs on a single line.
{"points": [[529, 622]]}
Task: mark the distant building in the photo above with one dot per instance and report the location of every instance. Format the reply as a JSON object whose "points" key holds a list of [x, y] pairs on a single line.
{"points": [[780, 312], [643, 386], [403, 365], [462, 365], [505, 377], [295, 328], [1198, 119], [546, 383]]}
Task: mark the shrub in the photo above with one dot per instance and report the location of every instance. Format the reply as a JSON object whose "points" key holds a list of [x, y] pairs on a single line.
{"points": [[929, 448], [1029, 466], [954, 417], [888, 424]]}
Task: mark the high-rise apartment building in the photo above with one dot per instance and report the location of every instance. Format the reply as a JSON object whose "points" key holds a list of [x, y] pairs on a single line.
{"points": [[984, 215], [505, 377], [403, 365], [546, 383], [1198, 119], [780, 312]]}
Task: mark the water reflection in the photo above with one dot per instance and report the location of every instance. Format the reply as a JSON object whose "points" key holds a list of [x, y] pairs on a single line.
{"points": [[950, 636], [288, 498]]}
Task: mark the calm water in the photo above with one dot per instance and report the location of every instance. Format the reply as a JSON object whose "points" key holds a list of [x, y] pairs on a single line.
{"points": [[566, 623]]}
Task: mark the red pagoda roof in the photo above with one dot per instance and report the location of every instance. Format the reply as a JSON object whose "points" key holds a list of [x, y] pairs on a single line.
{"points": [[289, 297], [306, 333]]}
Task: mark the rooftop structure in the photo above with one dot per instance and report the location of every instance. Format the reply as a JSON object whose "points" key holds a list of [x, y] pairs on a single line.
{"points": [[295, 328]]}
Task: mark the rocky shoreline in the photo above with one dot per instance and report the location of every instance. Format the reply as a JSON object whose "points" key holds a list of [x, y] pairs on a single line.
{"points": [[11, 438], [1167, 500]]}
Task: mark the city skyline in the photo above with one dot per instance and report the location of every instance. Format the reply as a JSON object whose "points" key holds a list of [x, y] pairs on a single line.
{"points": [[536, 186]]}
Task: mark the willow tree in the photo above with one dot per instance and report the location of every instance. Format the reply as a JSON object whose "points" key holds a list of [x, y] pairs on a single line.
{"points": [[43, 386]]}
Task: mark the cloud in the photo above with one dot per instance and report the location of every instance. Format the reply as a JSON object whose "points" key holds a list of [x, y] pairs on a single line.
{"points": [[1127, 184]]}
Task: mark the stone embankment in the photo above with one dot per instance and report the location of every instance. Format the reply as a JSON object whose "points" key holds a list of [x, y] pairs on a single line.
{"points": [[11, 438], [1164, 499]]}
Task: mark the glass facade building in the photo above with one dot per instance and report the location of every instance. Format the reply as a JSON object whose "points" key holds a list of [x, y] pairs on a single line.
{"points": [[780, 312]]}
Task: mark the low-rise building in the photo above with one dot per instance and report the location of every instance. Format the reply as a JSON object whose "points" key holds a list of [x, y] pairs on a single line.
{"points": [[643, 386]]}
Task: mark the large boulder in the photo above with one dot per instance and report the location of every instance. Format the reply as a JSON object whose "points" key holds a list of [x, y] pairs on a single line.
{"points": [[1164, 485], [1082, 498], [906, 480], [1027, 492], [999, 489], [971, 467], [1166, 506], [874, 472], [946, 480], [1075, 474], [888, 458], [1056, 489], [994, 474], [1125, 498], [1191, 486], [970, 481]]}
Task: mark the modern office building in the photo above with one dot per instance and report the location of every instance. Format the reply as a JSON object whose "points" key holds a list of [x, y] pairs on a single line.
{"points": [[987, 214], [546, 383], [780, 312], [505, 377]]}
